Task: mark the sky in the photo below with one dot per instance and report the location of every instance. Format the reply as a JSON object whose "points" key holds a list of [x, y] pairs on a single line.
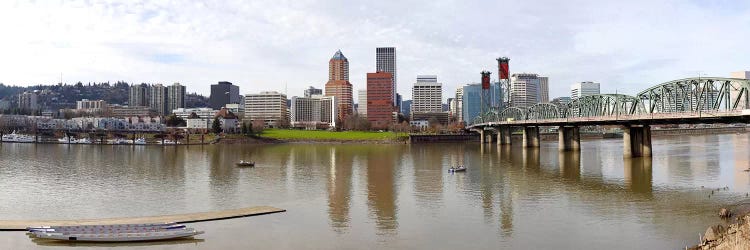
{"points": [[285, 46]]}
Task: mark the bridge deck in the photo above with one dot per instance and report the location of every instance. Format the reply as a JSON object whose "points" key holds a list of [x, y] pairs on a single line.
{"points": [[642, 119], [20, 225]]}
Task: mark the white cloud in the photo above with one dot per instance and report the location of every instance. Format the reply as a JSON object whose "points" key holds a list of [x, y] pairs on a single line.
{"points": [[266, 45]]}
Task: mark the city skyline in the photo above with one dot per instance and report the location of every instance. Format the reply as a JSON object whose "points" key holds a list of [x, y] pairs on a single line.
{"points": [[617, 44]]}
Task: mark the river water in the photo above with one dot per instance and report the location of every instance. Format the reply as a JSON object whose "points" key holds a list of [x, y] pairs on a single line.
{"points": [[353, 196]]}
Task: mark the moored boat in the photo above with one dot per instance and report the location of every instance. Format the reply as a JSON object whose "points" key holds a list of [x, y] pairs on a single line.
{"points": [[137, 225], [14, 137], [83, 141], [121, 236], [140, 141], [67, 139]]}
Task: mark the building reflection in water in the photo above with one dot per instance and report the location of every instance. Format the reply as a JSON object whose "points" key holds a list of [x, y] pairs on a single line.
{"points": [[222, 178], [428, 172], [638, 176], [506, 190], [381, 190], [531, 158], [339, 188], [570, 164]]}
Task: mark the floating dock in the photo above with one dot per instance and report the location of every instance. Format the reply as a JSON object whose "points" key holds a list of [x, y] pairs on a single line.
{"points": [[20, 225]]}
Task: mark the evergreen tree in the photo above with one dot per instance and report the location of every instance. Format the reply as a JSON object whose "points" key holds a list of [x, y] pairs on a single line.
{"points": [[216, 126]]}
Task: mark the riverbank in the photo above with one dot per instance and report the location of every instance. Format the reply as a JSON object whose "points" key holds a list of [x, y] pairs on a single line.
{"points": [[725, 237]]}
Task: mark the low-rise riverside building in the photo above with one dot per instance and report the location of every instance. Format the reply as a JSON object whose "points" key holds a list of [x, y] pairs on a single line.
{"points": [[184, 113]]}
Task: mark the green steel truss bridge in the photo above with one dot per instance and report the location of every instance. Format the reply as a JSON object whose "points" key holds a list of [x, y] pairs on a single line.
{"points": [[683, 101]]}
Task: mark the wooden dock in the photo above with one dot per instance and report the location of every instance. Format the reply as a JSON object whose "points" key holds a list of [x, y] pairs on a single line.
{"points": [[20, 225]]}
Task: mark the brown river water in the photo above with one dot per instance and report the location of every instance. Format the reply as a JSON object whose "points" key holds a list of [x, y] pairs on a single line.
{"points": [[354, 196]]}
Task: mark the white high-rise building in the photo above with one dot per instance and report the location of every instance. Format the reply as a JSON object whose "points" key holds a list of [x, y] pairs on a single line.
{"points": [[175, 96], [578, 90], [427, 95], [316, 111], [458, 108], [269, 106], [526, 89], [362, 105], [158, 99], [385, 61], [543, 89]]}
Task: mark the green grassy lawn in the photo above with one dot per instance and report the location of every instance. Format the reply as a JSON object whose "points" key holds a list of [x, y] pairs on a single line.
{"points": [[285, 134]]}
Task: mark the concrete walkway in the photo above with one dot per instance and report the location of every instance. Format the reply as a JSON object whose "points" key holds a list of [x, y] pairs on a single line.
{"points": [[20, 225]]}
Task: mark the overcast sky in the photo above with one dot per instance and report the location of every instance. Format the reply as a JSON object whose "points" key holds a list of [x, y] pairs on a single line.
{"points": [[285, 45]]}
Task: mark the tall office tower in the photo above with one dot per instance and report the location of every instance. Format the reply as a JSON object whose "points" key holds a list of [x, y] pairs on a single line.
{"points": [[471, 98], [578, 90], [222, 94], [427, 95], [380, 99], [338, 84], [175, 97], [138, 95], [525, 89], [268, 106], [385, 61], [311, 91], [362, 105], [459, 112], [543, 89], [158, 99]]}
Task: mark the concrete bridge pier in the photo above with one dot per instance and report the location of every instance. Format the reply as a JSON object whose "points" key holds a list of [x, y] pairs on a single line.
{"points": [[503, 135], [482, 136], [636, 141], [531, 137], [569, 138]]}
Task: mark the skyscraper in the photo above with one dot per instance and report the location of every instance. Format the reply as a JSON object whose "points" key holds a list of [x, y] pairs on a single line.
{"points": [[338, 84], [380, 99], [175, 97], [223, 93], [385, 61], [427, 95], [577, 90]]}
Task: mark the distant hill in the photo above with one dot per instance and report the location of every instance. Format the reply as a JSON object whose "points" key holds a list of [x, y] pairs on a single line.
{"points": [[55, 97]]}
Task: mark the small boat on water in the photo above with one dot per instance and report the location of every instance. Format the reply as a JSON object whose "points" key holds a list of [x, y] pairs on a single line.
{"points": [[457, 169], [140, 141], [243, 163]]}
